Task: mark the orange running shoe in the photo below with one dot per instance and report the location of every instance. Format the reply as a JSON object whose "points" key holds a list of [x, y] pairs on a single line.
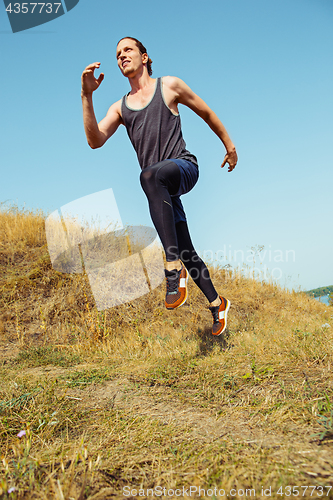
{"points": [[220, 316], [176, 293]]}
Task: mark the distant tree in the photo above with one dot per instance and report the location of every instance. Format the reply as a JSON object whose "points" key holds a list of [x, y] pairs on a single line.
{"points": [[319, 292]]}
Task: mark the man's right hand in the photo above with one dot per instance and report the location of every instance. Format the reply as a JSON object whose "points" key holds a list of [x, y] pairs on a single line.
{"points": [[89, 82]]}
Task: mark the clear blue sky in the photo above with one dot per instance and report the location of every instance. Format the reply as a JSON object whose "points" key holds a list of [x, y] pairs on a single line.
{"points": [[265, 67]]}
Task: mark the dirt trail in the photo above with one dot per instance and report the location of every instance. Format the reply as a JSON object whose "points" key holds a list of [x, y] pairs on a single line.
{"points": [[205, 426], [161, 403]]}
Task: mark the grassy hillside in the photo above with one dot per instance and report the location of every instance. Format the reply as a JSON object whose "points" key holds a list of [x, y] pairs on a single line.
{"points": [[141, 397]]}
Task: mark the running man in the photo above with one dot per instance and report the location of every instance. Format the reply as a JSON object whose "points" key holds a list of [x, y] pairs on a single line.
{"points": [[150, 114]]}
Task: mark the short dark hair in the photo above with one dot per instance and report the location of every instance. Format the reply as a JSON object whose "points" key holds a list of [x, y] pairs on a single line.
{"points": [[142, 50]]}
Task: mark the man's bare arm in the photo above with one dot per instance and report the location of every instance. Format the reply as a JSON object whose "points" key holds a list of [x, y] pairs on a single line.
{"points": [[97, 133], [184, 95]]}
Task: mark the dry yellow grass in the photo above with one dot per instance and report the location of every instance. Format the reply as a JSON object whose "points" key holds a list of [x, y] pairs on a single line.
{"points": [[139, 397]]}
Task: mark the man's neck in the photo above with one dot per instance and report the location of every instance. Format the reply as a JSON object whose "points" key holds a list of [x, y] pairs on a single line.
{"points": [[140, 81]]}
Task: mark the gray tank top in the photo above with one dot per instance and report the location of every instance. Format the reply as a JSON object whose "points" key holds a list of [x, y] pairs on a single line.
{"points": [[155, 131]]}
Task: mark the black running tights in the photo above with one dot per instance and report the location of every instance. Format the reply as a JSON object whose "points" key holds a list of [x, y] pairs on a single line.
{"points": [[159, 182]]}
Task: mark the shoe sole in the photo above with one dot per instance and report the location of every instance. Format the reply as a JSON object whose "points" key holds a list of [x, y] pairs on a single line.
{"points": [[186, 294], [225, 319]]}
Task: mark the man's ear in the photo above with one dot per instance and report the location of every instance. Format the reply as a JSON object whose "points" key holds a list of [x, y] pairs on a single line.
{"points": [[145, 58]]}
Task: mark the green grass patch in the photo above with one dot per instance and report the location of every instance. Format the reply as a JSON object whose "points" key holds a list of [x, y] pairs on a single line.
{"points": [[84, 378], [42, 356]]}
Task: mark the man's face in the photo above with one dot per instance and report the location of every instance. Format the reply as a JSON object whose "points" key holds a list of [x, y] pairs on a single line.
{"points": [[129, 58]]}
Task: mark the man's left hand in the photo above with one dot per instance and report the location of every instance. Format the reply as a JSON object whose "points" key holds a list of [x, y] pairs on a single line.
{"points": [[231, 158]]}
